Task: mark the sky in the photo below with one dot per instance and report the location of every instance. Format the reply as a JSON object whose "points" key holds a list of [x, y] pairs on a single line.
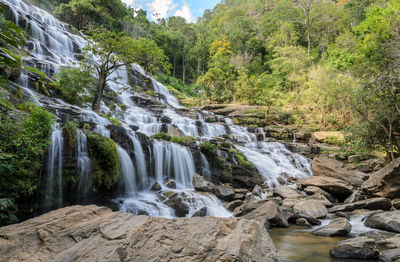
{"points": [[190, 10]]}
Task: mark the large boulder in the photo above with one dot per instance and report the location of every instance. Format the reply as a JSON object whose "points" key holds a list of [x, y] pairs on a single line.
{"points": [[337, 227], [324, 166], [248, 207], [389, 221], [390, 255], [91, 233], [313, 190], [287, 192], [371, 204], [358, 248], [313, 208], [268, 212], [385, 182], [225, 192], [201, 184], [338, 188], [356, 196]]}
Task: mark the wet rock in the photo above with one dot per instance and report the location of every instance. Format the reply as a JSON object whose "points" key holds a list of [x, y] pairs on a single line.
{"points": [[338, 188], [313, 208], [201, 184], [312, 190], [156, 187], [311, 220], [171, 184], [391, 242], [337, 227], [247, 207], [202, 212], [396, 203], [324, 166], [287, 192], [303, 222], [371, 204], [389, 221], [343, 214], [390, 255], [225, 192], [165, 119], [177, 202], [356, 196], [385, 182], [174, 131], [91, 233], [257, 191], [234, 204], [358, 248], [270, 212]]}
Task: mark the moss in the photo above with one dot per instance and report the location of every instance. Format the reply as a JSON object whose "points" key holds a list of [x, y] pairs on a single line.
{"points": [[70, 130], [35, 71], [104, 154], [182, 140], [86, 126], [159, 136], [243, 161], [207, 147], [115, 121]]}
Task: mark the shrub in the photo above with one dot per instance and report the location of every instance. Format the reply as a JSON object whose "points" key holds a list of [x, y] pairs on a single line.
{"points": [[104, 154], [7, 211], [243, 161], [70, 130], [208, 147], [182, 140], [159, 136]]}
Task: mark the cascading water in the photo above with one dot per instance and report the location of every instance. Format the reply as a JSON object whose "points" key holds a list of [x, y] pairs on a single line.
{"points": [[53, 193], [52, 46], [84, 165]]}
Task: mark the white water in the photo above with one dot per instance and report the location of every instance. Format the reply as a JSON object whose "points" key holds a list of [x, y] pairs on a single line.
{"points": [[53, 193], [84, 164], [53, 46]]}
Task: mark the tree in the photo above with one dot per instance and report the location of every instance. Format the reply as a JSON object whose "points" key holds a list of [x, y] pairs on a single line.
{"points": [[108, 51], [310, 13]]}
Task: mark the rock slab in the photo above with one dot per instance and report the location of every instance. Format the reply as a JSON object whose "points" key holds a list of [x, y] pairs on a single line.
{"points": [[91, 233]]}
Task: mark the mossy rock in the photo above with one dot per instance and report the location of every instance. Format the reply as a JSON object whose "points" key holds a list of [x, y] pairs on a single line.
{"points": [[104, 154]]}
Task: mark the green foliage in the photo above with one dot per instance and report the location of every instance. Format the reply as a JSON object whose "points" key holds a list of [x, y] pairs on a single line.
{"points": [[161, 136], [70, 130], [75, 85], [334, 140], [24, 139], [182, 139], [8, 210], [208, 148], [243, 161], [104, 154]]}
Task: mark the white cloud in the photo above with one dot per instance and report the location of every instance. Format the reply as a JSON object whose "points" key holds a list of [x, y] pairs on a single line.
{"points": [[160, 8], [185, 13], [130, 3]]}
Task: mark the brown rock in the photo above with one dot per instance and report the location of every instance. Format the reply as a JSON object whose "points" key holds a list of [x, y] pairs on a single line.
{"points": [[225, 192], [396, 203], [385, 182], [321, 198], [371, 204], [389, 221], [324, 166], [338, 188], [91, 233], [321, 136], [287, 192], [337, 227], [313, 208], [201, 184], [248, 207], [312, 190], [358, 248], [270, 212]]}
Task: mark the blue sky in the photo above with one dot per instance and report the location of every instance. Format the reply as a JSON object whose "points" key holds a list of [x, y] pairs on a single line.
{"points": [[189, 10]]}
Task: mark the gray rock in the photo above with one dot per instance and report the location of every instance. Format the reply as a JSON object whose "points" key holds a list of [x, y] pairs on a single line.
{"points": [[311, 220], [303, 222], [313, 208], [389, 221], [358, 248], [390, 255], [202, 212], [396, 203], [156, 187], [234, 204], [247, 207], [201, 184], [337, 227], [91, 233], [171, 184], [321, 198], [225, 192], [269, 212]]}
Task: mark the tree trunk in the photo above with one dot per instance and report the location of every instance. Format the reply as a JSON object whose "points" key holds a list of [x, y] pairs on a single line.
{"points": [[101, 83], [183, 66], [308, 35], [174, 64]]}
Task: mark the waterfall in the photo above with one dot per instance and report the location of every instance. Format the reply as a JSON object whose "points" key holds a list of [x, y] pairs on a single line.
{"points": [[140, 161], [127, 171], [84, 165], [53, 193], [205, 167]]}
